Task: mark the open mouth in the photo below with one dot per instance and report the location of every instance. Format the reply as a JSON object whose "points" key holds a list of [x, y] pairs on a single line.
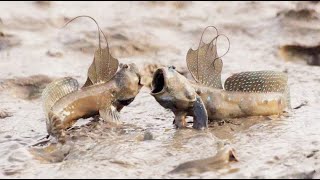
{"points": [[158, 82], [126, 102], [139, 77]]}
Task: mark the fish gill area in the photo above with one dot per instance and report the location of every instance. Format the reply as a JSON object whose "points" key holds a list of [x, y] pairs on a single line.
{"points": [[35, 50]]}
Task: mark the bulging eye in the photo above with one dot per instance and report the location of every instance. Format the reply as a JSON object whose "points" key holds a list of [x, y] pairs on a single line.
{"points": [[124, 66]]}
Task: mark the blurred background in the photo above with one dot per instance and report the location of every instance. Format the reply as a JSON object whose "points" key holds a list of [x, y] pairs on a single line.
{"points": [[35, 49]]}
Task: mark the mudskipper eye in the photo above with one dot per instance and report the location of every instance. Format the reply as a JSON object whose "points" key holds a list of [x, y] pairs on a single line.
{"points": [[124, 65]]}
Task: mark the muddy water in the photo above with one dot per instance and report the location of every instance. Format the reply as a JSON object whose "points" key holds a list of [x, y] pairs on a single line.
{"points": [[148, 146]]}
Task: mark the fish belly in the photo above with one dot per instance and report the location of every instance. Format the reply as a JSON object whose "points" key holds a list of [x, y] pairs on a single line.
{"points": [[225, 104]]}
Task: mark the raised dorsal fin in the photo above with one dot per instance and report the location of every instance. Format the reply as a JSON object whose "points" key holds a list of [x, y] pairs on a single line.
{"points": [[104, 66], [204, 63], [259, 82]]}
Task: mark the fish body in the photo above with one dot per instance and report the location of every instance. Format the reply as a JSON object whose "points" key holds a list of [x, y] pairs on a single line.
{"points": [[185, 98], [64, 103], [106, 91], [252, 93], [221, 104]]}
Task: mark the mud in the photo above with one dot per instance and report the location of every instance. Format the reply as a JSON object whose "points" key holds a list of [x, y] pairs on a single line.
{"points": [[296, 53], [8, 41], [27, 87], [148, 145]]}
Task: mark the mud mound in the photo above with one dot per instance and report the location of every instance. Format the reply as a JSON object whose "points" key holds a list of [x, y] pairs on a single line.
{"points": [[122, 43], [173, 4], [30, 23], [221, 160], [302, 53], [299, 14], [4, 114], [27, 87]]}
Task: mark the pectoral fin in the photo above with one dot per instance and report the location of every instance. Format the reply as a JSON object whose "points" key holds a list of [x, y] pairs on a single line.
{"points": [[200, 116], [110, 114]]}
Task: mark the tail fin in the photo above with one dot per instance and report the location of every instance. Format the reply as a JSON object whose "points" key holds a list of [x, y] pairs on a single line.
{"points": [[56, 90]]}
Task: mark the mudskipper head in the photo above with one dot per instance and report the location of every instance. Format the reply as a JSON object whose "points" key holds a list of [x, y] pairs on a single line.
{"points": [[172, 90], [128, 80], [175, 92]]}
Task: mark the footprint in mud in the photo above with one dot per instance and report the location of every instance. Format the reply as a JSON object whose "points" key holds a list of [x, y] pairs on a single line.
{"points": [[8, 41], [301, 53], [28, 88]]}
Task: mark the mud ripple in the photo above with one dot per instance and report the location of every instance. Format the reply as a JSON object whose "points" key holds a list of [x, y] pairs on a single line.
{"points": [[28, 88], [122, 43]]}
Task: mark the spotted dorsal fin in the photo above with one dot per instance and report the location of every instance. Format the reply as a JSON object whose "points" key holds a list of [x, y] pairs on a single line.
{"points": [[204, 63], [259, 82], [104, 66]]}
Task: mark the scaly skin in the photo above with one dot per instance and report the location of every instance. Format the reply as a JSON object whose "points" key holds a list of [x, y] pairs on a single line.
{"points": [[102, 98], [84, 103], [173, 91], [221, 104]]}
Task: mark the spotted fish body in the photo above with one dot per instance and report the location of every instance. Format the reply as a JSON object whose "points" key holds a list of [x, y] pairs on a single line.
{"points": [[247, 94], [82, 103], [252, 93], [64, 103], [257, 81], [260, 82]]}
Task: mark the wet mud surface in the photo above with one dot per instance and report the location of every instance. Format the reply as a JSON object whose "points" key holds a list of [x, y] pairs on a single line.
{"points": [[34, 50]]}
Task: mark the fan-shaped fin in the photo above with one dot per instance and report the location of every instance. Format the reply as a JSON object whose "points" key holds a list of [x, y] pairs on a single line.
{"points": [[204, 63]]}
